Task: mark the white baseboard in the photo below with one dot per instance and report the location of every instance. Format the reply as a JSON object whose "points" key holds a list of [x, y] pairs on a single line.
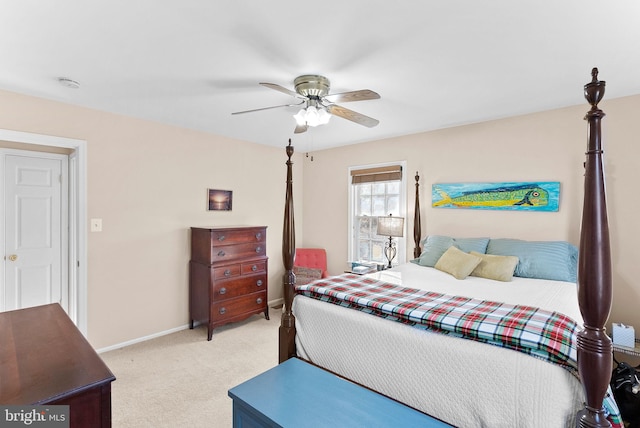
{"points": [[141, 339], [271, 304], [276, 303]]}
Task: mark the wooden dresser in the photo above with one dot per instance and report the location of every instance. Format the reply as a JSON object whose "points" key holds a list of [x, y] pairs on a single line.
{"points": [[44, 359], [227, 275]]}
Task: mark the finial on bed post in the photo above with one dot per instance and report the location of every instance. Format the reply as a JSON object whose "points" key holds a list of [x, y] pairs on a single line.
{"points": [[594, 272], [287, 331], [417, 232]]}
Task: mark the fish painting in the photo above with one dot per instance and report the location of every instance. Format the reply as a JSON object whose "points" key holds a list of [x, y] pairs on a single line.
{"points": [[537, 196]]}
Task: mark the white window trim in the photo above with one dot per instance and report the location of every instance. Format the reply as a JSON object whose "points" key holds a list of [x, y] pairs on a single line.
{"points": [[401, 256]]}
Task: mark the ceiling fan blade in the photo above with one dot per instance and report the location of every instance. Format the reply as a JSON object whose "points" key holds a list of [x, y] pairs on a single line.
{"points": [[300, 129], [283, 90], [344, 97], [267, 108], [353, 116]]}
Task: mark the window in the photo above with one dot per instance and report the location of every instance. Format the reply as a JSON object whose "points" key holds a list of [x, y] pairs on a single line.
{"points": [[375, 191]]}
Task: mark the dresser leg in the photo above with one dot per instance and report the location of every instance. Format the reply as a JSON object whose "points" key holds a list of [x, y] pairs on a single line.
{"points": [[191, 325], [209, 333], [266, 312]]}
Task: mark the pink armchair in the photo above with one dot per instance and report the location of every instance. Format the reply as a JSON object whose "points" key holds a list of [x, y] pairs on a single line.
{"points": [[315, 258]]}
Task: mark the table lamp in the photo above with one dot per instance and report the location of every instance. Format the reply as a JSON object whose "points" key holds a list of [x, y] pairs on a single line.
{"points": [[390, 226]]}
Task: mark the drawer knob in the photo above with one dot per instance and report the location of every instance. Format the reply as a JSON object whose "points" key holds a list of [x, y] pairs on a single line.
{"points": [[254, 268], [258, 235], [258, 249], [259, 300], [227, 272], [222, 311], [223, 290], [221, 238], [221, 253], [259, 283]]}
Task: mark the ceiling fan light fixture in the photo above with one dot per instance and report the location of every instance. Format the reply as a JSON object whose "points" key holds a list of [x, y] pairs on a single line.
{"points": [[312, 91], [301, 117], [323, 116], [312, 116]]}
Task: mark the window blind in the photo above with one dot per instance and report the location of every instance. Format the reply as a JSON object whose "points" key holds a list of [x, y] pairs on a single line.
{"points": [[371, 175]]}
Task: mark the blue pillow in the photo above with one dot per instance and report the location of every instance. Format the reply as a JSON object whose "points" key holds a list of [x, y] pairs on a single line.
{"points": [[554, 260], [434, 247]]}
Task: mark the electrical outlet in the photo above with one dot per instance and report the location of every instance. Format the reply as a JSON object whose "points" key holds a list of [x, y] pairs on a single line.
{"points": [[96, 225]]}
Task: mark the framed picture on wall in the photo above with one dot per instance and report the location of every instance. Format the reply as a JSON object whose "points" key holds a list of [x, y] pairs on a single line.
{"points": [[219, 200], [520, 196]]}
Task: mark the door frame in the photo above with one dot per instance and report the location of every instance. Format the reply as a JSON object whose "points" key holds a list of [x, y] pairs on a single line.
{"points": [[77, 261]]}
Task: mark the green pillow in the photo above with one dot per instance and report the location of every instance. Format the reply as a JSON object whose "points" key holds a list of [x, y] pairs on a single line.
{"points": [[499, 268], [457, 263]]}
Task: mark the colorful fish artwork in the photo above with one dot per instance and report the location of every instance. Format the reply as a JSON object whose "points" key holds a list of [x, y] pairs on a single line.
{"points": [[521, 196]]}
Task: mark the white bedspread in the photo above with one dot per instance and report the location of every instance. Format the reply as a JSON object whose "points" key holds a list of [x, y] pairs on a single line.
{"points": [[464, 383]]}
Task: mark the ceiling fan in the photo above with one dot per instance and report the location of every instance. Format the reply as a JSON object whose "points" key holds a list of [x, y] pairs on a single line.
{"points": [[318, 105]]}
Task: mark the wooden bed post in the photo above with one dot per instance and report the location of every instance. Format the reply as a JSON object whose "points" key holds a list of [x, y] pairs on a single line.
{"points": [[287, 331], [594, 272], [417, 232]]}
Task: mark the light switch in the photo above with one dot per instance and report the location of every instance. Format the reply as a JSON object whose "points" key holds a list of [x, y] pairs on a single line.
{"points": [[96, 225]]}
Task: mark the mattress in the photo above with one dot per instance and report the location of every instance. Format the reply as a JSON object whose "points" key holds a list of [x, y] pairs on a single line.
{"points": [[462, 382]]}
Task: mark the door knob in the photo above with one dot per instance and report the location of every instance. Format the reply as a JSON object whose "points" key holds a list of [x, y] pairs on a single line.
{"points": [[13, 257]]}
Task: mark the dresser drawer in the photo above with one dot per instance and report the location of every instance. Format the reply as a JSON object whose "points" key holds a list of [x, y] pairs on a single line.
{"points": [[230, 308], [239, 287], [245, 236], [238, 251], [254, 267], [219, 244], [228, 271]]}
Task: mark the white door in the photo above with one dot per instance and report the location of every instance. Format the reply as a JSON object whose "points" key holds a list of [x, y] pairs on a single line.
{"points": [[35, 232]]}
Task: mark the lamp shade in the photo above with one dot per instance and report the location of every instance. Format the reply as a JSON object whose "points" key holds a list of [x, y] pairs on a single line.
{"points": [[390, 226]]}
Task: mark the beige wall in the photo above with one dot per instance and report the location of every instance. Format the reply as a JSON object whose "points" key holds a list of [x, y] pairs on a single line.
{"points": [[547, 146], [148, 183]]}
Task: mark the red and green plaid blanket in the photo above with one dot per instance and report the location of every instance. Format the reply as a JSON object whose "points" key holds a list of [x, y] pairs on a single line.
{"points": [[543, 334]]}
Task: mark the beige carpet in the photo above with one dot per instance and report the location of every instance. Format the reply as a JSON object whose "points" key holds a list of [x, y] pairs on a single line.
{"points": [[181, 379]]}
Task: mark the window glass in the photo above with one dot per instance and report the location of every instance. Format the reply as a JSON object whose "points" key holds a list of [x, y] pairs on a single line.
{"points": [[379, 189], [393, 205], [365, 227], [393, 187], [370, 201], [379, 205], [364, 205], [363, 251]]}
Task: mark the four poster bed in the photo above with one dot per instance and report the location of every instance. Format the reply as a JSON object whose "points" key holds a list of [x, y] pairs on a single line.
{"points": [[413, 352]]}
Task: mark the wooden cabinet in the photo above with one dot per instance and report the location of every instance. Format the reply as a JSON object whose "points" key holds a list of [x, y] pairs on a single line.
{"points": [[227, 275], [44, 359]]}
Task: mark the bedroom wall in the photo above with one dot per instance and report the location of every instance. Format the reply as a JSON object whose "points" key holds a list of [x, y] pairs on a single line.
{"points": [[547, 146], [148, 183]]}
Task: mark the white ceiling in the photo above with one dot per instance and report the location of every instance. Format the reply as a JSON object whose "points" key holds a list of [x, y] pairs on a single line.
{"points": [[436, 64]]}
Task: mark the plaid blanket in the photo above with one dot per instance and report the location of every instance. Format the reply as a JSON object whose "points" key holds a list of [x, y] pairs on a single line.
{"points": [[550, 336]]}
